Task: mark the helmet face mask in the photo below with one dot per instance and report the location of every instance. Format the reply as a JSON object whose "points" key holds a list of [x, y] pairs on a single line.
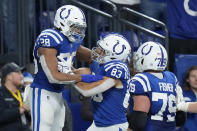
{"points": [[71, 22], [150, 56], [98, 54], [111, 47]]}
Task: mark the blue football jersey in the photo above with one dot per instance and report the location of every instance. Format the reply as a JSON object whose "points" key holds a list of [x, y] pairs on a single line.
{"points": [[109, 107], [162, 95], [50, 38]]}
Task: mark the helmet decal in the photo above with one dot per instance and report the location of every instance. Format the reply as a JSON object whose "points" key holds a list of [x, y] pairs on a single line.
{"points": [[143, 53], [115, 47], [84, 18], [154, 57], [162, 57], [67, 15], [123, 47]]}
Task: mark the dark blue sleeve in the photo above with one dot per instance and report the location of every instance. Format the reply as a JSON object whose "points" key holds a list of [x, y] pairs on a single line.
{"points": [[48, 40]]}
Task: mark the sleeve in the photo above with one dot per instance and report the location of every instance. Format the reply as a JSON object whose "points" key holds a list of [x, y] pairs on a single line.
{"points": [[94, 67], [7, 114], [141, 85], [117, 71], [48, 40]]}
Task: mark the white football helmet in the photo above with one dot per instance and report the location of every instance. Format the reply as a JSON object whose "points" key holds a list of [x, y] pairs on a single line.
{"points": [[111, 47], [150, 56], [72, 22]]}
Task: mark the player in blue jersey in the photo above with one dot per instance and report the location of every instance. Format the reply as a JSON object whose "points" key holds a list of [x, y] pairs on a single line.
{"points": [[54, 52], [156, 92], [110, 96]]}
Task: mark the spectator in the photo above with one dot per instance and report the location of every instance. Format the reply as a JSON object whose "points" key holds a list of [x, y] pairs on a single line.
{"points": [[190, 91], [12, 108], [182, 25]]}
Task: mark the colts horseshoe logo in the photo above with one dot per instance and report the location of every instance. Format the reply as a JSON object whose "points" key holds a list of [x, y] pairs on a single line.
{"points": [[65, 16], [123, 47], [188, 9], [146, 53]]}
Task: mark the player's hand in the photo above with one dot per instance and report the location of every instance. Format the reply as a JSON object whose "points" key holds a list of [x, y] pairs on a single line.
{"points": [[90, 78], [82, 70], [21, 110], [26, 107], [183, 106], [64, 66]]}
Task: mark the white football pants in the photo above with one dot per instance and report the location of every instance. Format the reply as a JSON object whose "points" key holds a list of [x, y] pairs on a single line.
{"points": [[47, 109]]}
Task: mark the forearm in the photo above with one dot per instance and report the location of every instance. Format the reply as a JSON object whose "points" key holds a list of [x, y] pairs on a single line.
{"points": [[54, 76], [192, 107], [90, 89]]}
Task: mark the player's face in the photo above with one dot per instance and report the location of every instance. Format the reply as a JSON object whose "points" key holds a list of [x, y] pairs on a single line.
{"points": [[193, 79], [100, 51], [77, 29]]}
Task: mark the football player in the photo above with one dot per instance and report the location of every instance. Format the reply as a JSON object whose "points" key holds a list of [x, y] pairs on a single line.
{"points": [[54, 52], [110, 96], [156, 92]]}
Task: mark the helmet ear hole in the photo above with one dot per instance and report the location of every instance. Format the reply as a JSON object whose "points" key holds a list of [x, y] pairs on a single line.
{"points": [[142, 61], [61, 24]]}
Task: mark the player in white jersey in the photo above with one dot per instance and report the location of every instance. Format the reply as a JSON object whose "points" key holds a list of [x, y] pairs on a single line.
{"points": [[54, 52], [110, 96], [156, 92]]}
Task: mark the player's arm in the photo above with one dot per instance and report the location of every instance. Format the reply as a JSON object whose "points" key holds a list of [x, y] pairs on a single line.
{"points": [[49, 64], [188, 107], [182, 105], [84, 54], [138, 118], [181, 116], [90, 89]]}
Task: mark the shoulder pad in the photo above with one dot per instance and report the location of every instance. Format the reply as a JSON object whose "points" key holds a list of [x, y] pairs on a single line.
{"points": [[141, 83], [49, 38], [118, 70]]}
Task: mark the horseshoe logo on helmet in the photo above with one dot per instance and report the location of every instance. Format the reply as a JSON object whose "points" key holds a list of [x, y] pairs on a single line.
{"points": [[188, 9], [62, 12], [123, 48], [146, 53]]}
